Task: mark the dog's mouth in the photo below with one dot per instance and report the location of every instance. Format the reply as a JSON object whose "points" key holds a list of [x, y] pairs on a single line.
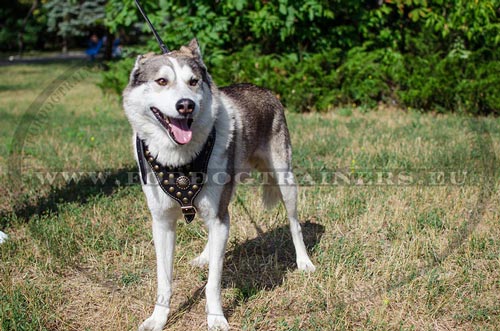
{"points": [[178, 128]]}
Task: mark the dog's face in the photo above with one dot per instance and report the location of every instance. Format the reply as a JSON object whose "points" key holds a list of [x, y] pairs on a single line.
{"points": [[168, 94]]}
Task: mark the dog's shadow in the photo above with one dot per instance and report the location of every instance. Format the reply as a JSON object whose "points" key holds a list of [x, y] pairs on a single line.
{"points": [[258, 264], [261, 264]]}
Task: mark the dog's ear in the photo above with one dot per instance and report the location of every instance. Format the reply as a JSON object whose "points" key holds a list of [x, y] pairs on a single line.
{"points": [[139, 61], [135, 70], [143, 58], [193, 48]]}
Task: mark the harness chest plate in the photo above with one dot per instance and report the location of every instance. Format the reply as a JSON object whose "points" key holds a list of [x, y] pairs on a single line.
{"points": [[183, 183]]}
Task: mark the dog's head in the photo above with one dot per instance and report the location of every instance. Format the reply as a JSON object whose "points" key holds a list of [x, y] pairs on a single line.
{"points": [[170, 95]]}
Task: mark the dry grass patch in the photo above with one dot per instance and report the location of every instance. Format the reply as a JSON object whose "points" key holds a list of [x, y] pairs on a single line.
{"points": [[421, 255]]}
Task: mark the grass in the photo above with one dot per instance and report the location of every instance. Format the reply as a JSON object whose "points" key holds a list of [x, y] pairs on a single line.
{"points": [[390, 253]]}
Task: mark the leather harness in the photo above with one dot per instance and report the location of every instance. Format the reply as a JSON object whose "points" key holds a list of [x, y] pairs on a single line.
{"points": [[183, 183]]}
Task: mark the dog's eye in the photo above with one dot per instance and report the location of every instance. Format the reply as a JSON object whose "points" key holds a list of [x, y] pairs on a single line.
{"points": [[161, 81], [193, 81]]}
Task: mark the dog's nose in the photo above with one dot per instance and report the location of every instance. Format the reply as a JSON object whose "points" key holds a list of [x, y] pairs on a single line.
{"points": [[185, 106]]}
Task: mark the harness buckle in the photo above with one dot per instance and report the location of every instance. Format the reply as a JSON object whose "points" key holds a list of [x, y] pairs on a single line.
{"points": [[189, 213], [188, 210]]}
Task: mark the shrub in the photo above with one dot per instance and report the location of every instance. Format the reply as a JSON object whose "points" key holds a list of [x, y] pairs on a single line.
{"points": [[301, 84], [116, 77], [433, 55], [318, 82], [367, 77], [466, 84]]}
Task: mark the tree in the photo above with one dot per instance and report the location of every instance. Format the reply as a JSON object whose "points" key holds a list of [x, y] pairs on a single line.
{"points": [[18, 26], [22, 30], [72, 18]]}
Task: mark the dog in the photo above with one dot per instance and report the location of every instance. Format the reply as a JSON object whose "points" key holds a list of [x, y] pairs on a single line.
{"points": [[174, 109]]}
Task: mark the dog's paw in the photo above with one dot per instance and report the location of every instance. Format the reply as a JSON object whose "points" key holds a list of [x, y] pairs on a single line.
{"points": [[217, 323], [200, 262], [153, 324], [305, 265]]}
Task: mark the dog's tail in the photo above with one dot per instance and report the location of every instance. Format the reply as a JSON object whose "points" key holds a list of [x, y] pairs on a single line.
{"points": [[271, 194]]}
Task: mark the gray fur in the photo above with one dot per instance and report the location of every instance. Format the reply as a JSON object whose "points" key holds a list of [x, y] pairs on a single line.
{"points": [[261, 112], [229, 187], [264, 132]]}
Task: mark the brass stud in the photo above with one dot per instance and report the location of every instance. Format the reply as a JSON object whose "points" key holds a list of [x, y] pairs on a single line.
{"points": [[190, 174], [178, 194], [185, 200], [160, 174], [156, 167], [147, 153], [151, 159], [171, 189], [165, 182], [195, 187], [190, 193], [171, 176]]}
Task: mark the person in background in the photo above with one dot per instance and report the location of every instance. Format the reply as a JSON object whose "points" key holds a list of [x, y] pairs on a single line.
{"points": [[94, 46]]}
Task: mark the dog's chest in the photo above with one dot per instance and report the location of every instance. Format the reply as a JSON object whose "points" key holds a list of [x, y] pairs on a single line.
{"points": [[207, 202]]}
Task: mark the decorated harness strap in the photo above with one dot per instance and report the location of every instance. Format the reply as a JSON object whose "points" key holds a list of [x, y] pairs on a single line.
{"points": [[183, 183]]}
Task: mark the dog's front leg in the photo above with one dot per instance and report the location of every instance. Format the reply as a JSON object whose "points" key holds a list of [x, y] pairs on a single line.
{"points": [[164, 240], [218, 232]]}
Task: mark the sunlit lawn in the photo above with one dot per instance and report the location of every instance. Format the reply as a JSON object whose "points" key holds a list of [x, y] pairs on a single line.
{"points": [[400, 209]]}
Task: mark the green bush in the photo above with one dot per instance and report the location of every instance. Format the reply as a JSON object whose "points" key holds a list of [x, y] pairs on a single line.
{"points": [[368, 77], [316, 54], [116, 77], [301, 84], [461, 84], [320, 81]]}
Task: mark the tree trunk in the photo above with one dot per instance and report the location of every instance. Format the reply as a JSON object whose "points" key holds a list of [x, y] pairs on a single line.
{"points": [[108, 47], [65, 45], [20, 34]]}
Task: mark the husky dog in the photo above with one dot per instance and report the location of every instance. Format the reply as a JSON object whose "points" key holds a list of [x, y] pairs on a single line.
{"points": [[173, 105]]}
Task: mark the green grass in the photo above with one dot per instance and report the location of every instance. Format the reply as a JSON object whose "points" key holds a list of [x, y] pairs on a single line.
{"points": [[389, 255]]}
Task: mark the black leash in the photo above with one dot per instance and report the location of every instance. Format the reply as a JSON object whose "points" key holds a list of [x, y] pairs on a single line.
{"points": [[164, 48]]}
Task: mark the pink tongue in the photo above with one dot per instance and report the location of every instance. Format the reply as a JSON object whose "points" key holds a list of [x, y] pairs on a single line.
{"points": [[180, 129]]}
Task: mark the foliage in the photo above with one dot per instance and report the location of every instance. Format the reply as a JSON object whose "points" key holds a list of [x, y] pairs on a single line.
{"points": [[70, 18], [463, 84], [229, 25], [301, 84], [427, 54], [116, 77], [14, 20]]}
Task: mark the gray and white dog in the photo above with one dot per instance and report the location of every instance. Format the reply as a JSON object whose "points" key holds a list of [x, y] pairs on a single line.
{"points": [[172, 105]]}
